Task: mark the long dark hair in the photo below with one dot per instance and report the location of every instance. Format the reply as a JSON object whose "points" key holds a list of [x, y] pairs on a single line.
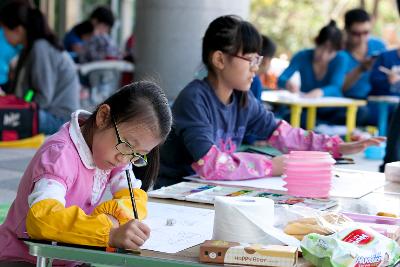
{"points": [[35, 24], [330, 33], [32, 20], [144, 102], [230, 34]]}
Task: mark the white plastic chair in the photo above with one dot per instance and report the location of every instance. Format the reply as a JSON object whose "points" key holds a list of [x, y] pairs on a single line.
{"points": [[102, 78]]}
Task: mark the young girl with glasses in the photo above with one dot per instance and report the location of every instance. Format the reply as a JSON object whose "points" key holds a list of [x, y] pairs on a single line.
{"points": [[59, 195], [213, 115]]}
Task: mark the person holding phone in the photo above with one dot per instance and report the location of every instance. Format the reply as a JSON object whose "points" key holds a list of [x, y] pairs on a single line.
{"points": [[361, 50]]}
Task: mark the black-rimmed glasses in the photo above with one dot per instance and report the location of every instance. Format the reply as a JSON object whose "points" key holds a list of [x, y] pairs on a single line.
{"points": [[126, 149]]}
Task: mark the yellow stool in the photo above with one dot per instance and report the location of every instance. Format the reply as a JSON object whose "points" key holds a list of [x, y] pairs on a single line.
{"points": [[30, 142]]}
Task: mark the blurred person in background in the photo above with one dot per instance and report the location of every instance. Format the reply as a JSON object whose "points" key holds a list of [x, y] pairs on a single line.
{"points": [[44, 68], [268, 50]]}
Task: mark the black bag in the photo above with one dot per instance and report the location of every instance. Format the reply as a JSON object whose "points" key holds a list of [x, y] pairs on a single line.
{"points": [[18, 118]]}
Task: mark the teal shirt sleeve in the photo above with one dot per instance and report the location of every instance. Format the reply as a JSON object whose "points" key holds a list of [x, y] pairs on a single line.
{"points": [[337, 75], [290, 70]]}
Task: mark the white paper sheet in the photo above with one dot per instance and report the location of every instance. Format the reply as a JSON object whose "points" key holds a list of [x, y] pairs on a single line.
{"points": [[273, 183], [355, 184], [286, 96], [191, 226], [345, 183]]}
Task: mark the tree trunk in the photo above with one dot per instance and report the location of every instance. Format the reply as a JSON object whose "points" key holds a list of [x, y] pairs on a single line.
{"points": [[375, 11]]}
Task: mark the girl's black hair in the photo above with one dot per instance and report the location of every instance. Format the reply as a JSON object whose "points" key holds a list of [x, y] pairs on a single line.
{"points": [[330, 33], [32, 20], [142, 102], [268, 48], [103, 14], [83, 28], [231, 35]]}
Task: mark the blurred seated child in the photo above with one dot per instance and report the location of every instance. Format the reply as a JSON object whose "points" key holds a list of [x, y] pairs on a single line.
{"points": [[100, 46], [43, 67], [260, 79], [74, 39]]}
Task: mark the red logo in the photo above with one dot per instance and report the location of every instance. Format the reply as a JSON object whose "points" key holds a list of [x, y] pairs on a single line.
{"points": [[358, 237]]}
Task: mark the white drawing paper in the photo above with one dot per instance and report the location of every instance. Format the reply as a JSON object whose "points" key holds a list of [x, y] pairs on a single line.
{"points": [[175, 228]]}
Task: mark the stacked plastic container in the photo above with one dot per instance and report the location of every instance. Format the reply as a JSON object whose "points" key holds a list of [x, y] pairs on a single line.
{"points": [[308, 173]]}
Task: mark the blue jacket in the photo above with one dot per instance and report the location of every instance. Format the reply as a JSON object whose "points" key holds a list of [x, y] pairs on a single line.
{"points": [[379, 81], [361, 88], [331, 83], [7, 53]]}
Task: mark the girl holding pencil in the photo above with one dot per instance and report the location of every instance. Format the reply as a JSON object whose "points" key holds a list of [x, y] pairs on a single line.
{"points": [[60, 192]]}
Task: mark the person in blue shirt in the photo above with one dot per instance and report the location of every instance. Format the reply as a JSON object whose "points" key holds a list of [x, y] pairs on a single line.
{"points": [[7, 53], [385, 81], [385, 74], [321, 69], [268, 50], [102, 20], [361, 51], [75, 38]]}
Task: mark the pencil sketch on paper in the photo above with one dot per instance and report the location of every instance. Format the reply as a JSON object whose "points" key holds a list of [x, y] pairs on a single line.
{"points": [[192, 226]]}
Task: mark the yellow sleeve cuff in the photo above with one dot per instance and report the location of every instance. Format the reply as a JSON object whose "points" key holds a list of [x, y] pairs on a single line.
{"points": [[48, 219]]}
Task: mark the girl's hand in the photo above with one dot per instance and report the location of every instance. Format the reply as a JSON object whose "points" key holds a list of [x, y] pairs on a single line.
{"points": [[291, 87], [277, 165], [355, 147], [131, 235]]}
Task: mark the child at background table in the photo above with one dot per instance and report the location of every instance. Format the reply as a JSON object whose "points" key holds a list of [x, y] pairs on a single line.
{"points": [[268, 49], [321, 68], [213, 115], [43, 67], [59, 194]]}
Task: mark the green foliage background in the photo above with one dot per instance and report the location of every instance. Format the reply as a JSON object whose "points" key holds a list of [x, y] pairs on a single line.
{"points": [[293, 24]]}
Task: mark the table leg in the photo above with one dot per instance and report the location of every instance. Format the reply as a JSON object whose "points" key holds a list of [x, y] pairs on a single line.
{"points": [[311, 117], [350, 120], [295, 115], [383, 109], [43, 262]]}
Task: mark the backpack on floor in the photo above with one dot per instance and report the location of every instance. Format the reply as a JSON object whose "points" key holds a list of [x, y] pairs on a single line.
{"points": [[18, 118]]}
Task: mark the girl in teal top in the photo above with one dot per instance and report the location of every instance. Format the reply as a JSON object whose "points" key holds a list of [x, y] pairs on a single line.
{"points": [[7, 53], [321, 69]]}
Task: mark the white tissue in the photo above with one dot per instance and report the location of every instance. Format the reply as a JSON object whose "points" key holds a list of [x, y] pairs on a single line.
{"points": [[392, 171], [248, 220]]}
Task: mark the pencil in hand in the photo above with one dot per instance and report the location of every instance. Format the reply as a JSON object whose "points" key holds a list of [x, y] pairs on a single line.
{"points": [[128, 177]]}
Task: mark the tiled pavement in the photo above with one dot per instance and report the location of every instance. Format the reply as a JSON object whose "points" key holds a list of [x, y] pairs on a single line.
{"points": [[12, 165]]}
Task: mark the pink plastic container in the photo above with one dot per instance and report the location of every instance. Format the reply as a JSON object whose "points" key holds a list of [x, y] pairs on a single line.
{"points": [[308, 173]]}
